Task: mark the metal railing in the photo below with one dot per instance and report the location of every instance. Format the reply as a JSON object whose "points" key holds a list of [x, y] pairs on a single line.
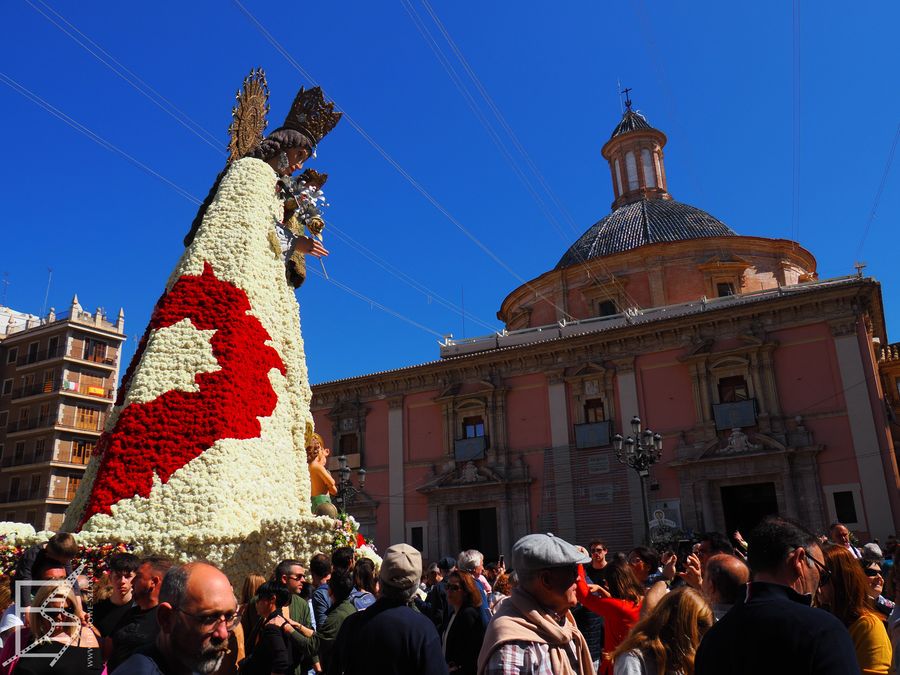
{"points": [[736, 415], [28, 425], [42, 355]]}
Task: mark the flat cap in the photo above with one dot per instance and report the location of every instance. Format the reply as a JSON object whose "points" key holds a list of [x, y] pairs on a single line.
{"points": [[540, 551]]}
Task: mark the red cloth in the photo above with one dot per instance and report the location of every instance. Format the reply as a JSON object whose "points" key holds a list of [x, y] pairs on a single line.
{"points": [[618, 618]]}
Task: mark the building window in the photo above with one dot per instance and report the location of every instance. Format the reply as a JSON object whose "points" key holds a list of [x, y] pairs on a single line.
{"points": [[14, 489], [12, 355], [7, 387], [4, 419], [39, 446], [348, 444], [593, 411], [647, 162], [19, 452], [87, 418], [845, 507], [43, 413], [31, 519], [33, 352], [724, 289], [473, 427], [49, 379], [81, 451], [10, 516], [35, 485], [607, 308], [52, 346], [95, 351], [23, 417], [631, 170], [618, 179], [733, 389]]}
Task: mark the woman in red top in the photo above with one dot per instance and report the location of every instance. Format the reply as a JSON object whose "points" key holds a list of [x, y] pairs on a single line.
{"points": [[620, 606]]}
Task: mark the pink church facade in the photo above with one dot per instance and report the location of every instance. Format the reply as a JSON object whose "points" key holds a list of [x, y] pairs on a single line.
{"points": [[774, 391]]}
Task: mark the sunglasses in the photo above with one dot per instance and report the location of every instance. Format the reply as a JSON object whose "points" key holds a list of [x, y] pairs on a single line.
{"points": [[454, 587], [872, 572], [824, 572], [597, 550]]}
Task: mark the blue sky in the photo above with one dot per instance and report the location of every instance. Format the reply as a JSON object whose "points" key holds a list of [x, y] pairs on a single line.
{"points": [[717, 78]]}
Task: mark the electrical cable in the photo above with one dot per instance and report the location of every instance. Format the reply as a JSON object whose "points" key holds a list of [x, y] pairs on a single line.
{"points": [[169, 108], [412, 181]]}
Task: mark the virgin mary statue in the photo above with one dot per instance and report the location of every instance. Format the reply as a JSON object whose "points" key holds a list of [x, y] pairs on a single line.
{"points": [[204, 452]]}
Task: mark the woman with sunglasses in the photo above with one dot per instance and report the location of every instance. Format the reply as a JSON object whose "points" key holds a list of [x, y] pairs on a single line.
{"points": [[464, 633], [845, 593], [58, 632], [872, 570]]}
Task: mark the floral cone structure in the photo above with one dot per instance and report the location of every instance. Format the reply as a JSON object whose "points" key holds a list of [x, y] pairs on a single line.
{"points": [[203, 455]]}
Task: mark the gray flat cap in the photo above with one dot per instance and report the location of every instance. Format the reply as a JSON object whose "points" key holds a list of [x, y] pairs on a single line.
{"points": [[540, 551]]}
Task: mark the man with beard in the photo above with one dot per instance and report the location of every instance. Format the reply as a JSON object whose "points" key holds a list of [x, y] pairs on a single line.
{"points": [[197, 612], [138, 628]]}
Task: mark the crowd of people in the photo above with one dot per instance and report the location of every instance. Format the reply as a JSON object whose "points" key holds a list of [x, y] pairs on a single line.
{"points": [[784, 600]]}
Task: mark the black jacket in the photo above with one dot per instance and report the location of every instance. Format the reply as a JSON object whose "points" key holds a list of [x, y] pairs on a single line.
{"points": [[773, 630], [464, 639]]}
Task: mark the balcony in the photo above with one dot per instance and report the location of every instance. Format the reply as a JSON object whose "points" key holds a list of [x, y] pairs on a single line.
{"points": [[468, 449], [29, 425], [21, 495], [24, 459], [38, 356], [76, 422], [35, 389], [593, 434], [96, 390], [737, 415]]}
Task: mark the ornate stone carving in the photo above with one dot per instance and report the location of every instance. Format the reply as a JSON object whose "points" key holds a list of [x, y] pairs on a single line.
{"points": [[738, 442]]}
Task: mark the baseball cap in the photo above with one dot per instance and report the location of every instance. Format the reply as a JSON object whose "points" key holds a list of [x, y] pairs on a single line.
{"points": [[401, 566]]}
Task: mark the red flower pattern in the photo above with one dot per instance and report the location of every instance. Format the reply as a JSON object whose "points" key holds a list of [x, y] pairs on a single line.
{"points": [[161, 436]]}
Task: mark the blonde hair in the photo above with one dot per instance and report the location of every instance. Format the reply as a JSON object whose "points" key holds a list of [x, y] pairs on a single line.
{"points": [[671, 632], [312, 452], [40, 625]]}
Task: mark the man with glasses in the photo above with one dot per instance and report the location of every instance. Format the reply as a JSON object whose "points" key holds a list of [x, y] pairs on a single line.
{"points": [[533, 632], [590, 624], [774, 629], [292, 574], [197, 613]]}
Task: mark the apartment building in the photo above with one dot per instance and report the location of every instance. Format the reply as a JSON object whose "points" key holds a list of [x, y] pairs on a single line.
{"points": [[58, 378]]}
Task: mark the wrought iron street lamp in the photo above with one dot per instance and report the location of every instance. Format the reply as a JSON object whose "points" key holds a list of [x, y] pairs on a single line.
{"points": [[639, 451], [346, 491]]}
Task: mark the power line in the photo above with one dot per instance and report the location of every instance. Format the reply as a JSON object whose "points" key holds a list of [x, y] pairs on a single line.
{"points": [[878, 193], [489, 101], [412, 181], [136, 82], [795, 124], [99, 140]]}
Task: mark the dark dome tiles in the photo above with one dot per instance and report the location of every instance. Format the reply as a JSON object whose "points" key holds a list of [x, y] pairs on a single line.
{"points": [[640, 223]]}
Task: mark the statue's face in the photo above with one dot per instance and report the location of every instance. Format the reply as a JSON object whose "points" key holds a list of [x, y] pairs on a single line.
{"points": [[296, 157]]}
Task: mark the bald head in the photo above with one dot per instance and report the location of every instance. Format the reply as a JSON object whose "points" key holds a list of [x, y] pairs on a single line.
{"points": [[725, 575], [196, 611]]}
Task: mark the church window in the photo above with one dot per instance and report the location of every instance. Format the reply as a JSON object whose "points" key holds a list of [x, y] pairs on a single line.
{"points": [[473, 427], [724, 289], [618, 178], [733, 388], [593, 411], [348, 444], [649, 175], [631, 170], [607, 308]]}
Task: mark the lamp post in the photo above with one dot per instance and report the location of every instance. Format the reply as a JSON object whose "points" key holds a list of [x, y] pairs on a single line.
{"points": [[640, 452], [346, 491]]}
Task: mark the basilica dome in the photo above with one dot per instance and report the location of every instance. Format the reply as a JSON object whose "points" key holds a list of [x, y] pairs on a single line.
{"points": [[642, 222]]}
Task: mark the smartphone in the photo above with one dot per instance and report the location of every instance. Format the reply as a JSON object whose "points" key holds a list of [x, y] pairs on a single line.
{"points": [[500, 562]]}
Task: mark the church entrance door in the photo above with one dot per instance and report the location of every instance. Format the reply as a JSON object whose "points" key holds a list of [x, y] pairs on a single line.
{"points": [[746, 505], [478, 530]]}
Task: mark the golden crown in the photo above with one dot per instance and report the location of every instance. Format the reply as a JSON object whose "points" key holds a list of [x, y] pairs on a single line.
{"points": [[311, 115]]}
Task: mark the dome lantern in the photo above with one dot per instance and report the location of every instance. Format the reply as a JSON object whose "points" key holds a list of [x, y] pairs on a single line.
{"points": [[635, 156]]}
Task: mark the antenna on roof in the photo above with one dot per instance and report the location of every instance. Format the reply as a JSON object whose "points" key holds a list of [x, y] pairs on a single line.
{"points": [[627, 98], [619, 92]]}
